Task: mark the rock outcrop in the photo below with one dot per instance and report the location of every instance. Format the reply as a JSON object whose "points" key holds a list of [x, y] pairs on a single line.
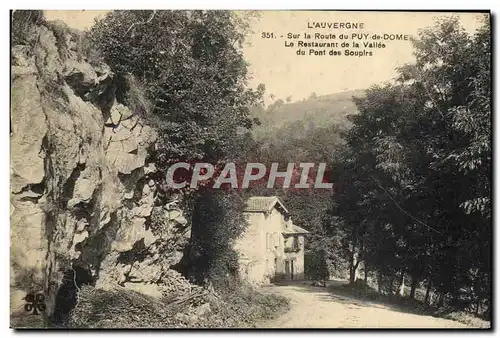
{"points": [[82, 193]]}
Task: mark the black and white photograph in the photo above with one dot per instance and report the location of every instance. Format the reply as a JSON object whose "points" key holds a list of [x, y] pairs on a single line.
{"points": [[250, 169]]}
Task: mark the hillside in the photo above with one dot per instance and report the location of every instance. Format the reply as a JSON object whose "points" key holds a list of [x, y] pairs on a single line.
{"points": [[316, 111]]}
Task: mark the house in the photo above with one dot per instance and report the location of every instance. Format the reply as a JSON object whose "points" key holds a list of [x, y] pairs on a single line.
{"points": [[272, 247]]}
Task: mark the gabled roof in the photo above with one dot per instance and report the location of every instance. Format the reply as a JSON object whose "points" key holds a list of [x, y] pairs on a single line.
{"points": [[264, 204]]}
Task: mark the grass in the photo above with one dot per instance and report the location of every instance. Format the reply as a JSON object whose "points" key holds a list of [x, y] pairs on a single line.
{"points": [[364, 292], [464, 317], [247, 306]]}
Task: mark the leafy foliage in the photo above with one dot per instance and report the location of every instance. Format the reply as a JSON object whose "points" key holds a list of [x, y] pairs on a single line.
{"points": [[193, 71], [415, 175], [315, 266], [191, 68], [217, 220], [23, 26]]}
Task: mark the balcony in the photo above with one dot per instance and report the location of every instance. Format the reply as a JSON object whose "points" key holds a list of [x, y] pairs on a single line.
{"points": [[294, 248]]}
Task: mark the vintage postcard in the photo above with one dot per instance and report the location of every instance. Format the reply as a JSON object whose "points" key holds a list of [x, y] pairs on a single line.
{"points": [[250, 169]]}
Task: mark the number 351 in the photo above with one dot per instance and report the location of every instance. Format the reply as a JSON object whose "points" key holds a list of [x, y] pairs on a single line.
{"points": [[267, 35]]}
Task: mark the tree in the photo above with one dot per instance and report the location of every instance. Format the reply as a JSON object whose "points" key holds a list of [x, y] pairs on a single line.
{"points": [[190, 67], [315, 266], [405, 203], [217, 221]]}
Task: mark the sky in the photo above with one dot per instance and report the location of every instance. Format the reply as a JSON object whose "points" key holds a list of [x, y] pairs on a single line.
{"points": [[286, 74]]}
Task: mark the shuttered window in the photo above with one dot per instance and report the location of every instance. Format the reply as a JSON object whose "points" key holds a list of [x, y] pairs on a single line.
{"points": [[276, 240]]}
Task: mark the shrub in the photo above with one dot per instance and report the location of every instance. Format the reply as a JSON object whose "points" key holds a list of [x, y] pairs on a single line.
{"points": [[24, 24], [315, 266], [122, 308], [243, 306], [217, 221], [464, 317], [131, 93]]}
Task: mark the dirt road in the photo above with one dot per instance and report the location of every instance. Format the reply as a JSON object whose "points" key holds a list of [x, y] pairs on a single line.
{"points": [[317, 307]]}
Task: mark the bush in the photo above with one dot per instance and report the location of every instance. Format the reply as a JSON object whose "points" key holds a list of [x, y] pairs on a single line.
{"points": [[315, 266], [360, 290], [131, 93], [245, 307], [217, 221], [464, 317], [122, 308], [24, 25]]}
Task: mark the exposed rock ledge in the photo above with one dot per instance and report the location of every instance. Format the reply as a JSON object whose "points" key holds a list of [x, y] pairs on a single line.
{"points": [[81, 195]]}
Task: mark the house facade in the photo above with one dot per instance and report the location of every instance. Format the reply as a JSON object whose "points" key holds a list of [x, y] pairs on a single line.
{"points": [[272, 247]]}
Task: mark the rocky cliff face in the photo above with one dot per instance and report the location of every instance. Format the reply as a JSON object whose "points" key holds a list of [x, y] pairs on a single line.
{"points": [[82, 196]]}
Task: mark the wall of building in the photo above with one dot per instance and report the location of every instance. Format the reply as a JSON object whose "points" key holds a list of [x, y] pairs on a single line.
{"points": [[297, 257], [251, 248], [261, 248], [274, 253]]}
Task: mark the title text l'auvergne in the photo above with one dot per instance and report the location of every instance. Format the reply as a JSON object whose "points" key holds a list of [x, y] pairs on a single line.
{"points": [[336, 25]]}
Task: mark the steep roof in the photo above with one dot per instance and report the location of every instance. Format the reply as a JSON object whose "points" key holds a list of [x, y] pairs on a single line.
{"points": [[299, 230], [264, 204]]}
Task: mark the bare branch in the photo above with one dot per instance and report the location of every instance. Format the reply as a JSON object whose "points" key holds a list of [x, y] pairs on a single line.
{"points": [[141, 23]]}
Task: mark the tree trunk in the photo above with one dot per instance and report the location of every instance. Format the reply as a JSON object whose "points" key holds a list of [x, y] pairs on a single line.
{"points": [[440, 299], [477, 289], [427, 292], [391, 285], [414, 284], [352, 273], [352, 268], [379, 282], [366, 274], [401, 290], [478, 305]]}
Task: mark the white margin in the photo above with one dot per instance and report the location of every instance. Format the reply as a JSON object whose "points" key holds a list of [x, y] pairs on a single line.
{"points": [[192, 4]]}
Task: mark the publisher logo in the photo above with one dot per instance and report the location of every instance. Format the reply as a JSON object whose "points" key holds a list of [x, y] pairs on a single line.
{"points": [[35, 303]]}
